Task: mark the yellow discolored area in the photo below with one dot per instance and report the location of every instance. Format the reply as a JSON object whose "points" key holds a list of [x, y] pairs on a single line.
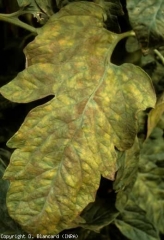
{"points": [[65, 145]]}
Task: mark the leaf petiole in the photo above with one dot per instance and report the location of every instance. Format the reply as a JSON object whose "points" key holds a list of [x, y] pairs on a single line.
{"points": [[159, 55], [13, 19]]}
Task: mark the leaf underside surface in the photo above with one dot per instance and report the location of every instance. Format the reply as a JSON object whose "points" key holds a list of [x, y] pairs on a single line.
{"points": [[65, 145]]}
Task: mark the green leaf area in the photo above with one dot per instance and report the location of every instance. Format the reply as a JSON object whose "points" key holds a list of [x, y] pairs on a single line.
{"points": [[146, 18], [134, 224], [36, 7], [149, 187], [65, 145], [143, 217], [126, 174]]}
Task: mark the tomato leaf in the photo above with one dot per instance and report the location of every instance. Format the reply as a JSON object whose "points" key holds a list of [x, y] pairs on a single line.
{"points": [[148, 188], [126, 174], [41, 9], [65, 145], [155, 115], [99, 214], [7, 225], [113, 9], [134, 224], [146, 18]]}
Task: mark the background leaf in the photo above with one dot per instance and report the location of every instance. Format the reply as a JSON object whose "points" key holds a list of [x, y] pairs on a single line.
{"points": [[146, 18], [100, 213], [41, 9], [126, 175], [66, 144], [148, 189], [132, 222], [155, 115]]}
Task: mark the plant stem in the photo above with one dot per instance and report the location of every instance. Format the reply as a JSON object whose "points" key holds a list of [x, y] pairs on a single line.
{"points": [[3, 163], [159, 55], [119, 37], [13, 19], [127, 34]]}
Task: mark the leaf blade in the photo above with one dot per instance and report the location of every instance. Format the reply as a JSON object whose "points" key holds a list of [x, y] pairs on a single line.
{"points": [[134, 224], [61, 143], [146, 19]]}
